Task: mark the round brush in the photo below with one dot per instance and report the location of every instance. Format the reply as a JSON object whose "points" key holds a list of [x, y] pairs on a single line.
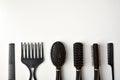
{"points": [[78, 59], [96, 61], [58, 55], [110, 47]]}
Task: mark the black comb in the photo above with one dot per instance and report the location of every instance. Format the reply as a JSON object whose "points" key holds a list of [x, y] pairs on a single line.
{"points": [[111, 57], [32, 55], [78, 59], [11, 75], [96, 61], [58, 55]]}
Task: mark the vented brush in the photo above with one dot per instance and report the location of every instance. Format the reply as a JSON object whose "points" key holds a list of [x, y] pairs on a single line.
{"points": [[111, 57], [78, 59], [96, 61]]}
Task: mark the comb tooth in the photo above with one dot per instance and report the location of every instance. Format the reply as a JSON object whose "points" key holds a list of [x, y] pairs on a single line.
{"points": [[25, 50], [28, 50], [35, 50], [32, 47], [42, 51], [22, 52], [39, 50]]}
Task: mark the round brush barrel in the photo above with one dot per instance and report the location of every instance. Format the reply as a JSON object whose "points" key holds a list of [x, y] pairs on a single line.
{"points": [[96, 55]]}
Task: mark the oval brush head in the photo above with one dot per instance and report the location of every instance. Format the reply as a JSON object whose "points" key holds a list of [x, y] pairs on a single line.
{"points": [[58, 54], [78, 55], [96, 55]]}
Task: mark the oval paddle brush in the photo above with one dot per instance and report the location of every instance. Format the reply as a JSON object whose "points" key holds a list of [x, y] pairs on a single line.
{"points": [[78, 59], [58, 55]]}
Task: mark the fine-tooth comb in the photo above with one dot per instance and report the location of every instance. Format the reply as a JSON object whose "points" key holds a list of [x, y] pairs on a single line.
{"points": [[32, 56], [111, 57], [11, 75]]}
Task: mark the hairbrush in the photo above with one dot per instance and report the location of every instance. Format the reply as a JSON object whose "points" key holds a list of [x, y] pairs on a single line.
{"points": [[58, 55], [96, 61], [111, 57], [78, 59]]}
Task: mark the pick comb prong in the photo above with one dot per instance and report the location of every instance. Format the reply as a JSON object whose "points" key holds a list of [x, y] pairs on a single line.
{"points": [[28, 50], [42, 51], [32, 47], [35, 50], [39, 50], [22, 52], [25, 46]]}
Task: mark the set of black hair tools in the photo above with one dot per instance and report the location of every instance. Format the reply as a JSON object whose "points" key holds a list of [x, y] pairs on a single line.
{"points": [[32, 55]]}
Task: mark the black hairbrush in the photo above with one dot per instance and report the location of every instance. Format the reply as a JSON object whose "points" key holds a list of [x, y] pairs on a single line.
{"points": [[96, 61], [111, 57], [58, 55], [78, 59]]}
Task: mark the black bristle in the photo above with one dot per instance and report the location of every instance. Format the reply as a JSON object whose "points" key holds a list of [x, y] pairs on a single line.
{"points": [[78, 55], [58, 54], [96, 55]]}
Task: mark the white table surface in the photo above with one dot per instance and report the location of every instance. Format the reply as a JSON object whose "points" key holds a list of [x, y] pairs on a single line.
{"points": [[69, 21]]}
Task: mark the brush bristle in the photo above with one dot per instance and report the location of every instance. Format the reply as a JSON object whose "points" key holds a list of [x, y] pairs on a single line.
{"points": [[78, 55], [58, 54], [110, 53]]}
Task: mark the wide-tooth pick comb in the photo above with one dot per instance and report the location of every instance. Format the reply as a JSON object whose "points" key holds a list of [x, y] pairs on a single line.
{"points": [[32, 56]]}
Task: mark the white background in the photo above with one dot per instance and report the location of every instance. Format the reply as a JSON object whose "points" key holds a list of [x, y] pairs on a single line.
{"points": [[69, 21]]}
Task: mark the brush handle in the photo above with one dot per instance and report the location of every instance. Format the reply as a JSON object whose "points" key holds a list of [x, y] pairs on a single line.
{"points": [[78, 75], [96, 61], [11, 62], [58, 74], [96, 75]]}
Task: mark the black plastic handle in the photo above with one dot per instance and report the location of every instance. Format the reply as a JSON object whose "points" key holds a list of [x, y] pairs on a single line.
{"points": [[11, 75], [32, 73], [78, 75], [58, 74], [96, 75]]}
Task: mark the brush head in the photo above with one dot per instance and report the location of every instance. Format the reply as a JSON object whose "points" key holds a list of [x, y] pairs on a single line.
{"points": [[96, 55], [78, 55], [58, 54], [110, 53]]}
